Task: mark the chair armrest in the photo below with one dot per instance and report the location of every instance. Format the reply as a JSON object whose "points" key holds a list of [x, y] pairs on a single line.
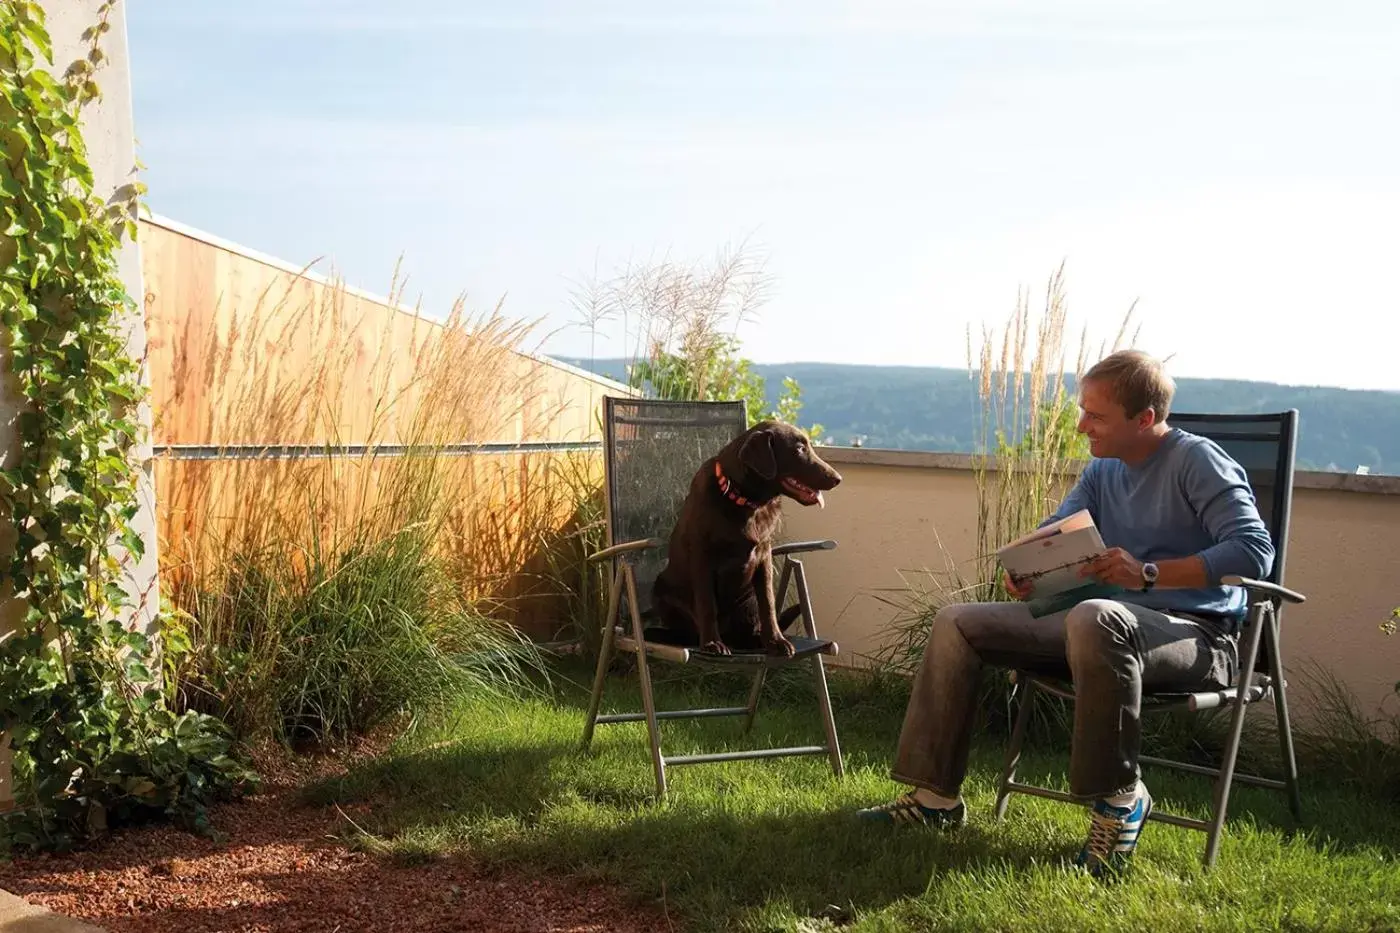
{"points": [[802, 547], [1260, 586], [641, 544]]}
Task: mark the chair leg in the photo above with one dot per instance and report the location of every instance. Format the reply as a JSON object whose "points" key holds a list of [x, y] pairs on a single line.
{"points": [[833, 745], [605, 651], [1258, 619], [1013, 750], [644, 673], [1285, 728], [1222, 786], [754, 692], [760, 678]]}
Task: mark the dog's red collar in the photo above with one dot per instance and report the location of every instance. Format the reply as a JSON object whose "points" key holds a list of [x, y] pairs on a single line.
{"points": [[727, 487]]}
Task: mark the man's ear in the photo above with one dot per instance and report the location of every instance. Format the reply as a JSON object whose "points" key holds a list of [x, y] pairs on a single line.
{"points": [[757, 454]]}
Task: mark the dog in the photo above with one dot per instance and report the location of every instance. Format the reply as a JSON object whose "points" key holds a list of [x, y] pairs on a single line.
{"points": [[716, 590]]}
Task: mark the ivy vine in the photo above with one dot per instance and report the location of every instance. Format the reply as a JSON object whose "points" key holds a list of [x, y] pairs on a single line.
{"points": [[95, 742]]}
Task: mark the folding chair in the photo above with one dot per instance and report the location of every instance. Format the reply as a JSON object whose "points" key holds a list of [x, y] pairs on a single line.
{"points": [[653, 448], [1264, 445]]}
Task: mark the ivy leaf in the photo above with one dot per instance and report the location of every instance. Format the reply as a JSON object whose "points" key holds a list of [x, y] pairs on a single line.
{"points": [[141, 787], [134, 543], [33, 30], [9, 184], [95, 741]]}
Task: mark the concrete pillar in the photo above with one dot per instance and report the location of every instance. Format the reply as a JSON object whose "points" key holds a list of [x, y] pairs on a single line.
{"points": [[111, 144]]}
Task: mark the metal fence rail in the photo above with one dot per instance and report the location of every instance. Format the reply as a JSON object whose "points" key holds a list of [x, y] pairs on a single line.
{"points": [[307, 451]]}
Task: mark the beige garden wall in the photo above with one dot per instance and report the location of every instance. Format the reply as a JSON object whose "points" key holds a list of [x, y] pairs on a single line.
{"points": [[904, 512]]}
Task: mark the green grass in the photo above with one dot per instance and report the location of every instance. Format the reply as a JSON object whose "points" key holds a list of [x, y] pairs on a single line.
{"points": [[771, 845]]}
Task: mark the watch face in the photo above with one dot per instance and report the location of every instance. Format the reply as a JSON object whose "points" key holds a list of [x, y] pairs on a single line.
{"points": [[1149, 571]]}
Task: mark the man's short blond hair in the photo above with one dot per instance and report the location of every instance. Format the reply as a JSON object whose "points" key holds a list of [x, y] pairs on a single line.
{"points": [[1136, 381]]}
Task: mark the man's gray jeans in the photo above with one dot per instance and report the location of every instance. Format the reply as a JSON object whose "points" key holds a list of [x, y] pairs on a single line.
{"points": [[1111, 650]]}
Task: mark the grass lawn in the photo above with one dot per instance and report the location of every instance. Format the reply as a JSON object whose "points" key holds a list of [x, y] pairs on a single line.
{"points": [[772, 845]]}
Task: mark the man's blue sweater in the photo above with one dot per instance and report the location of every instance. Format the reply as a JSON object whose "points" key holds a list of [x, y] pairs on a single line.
{"points": [[1189, 497]]}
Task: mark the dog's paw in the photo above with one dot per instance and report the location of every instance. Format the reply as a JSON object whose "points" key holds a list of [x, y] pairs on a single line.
{"points": [[781, 647], [716, 647]]}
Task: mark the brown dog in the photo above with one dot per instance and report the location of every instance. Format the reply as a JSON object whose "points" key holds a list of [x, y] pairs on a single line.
{"points": [[717, 588]]}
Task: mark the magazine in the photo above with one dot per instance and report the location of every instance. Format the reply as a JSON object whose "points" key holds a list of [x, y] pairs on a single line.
{"points": [[1051, 558]]}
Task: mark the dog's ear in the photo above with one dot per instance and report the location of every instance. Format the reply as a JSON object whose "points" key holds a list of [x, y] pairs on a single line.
{"points": [[757, 454]]}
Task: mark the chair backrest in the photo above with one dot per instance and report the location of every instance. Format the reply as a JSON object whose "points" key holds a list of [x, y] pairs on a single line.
{"points": [[652, 449], [1265, 445]]}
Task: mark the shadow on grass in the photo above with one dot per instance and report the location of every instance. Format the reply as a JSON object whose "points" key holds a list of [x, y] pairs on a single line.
{"points": [[738, 839], [1337, 814], [717, 856]]}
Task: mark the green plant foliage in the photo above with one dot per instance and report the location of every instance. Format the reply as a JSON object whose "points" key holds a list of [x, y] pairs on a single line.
{"points": [[368, 629], [1389, 627], [714, 371], [94, 741]]}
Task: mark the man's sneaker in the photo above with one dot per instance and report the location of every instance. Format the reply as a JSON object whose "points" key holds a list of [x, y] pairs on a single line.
{"points": [[1113, 834], [907, 810]]}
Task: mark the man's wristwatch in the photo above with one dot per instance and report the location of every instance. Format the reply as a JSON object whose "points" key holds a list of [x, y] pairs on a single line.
{"points": [[1149, 576]]}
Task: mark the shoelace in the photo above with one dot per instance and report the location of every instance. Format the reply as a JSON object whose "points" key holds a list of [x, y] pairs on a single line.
{"points": [[906, 806], [1103, 834], [905, 801]]}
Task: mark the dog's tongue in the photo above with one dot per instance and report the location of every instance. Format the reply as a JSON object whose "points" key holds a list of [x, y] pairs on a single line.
{"points": [[821, 500]]}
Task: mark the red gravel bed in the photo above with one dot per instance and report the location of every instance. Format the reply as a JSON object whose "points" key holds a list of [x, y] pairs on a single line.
{"points": [[286, 867]]}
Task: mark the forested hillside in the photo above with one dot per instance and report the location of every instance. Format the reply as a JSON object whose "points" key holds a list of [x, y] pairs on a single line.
{"points": [[928, 408]]}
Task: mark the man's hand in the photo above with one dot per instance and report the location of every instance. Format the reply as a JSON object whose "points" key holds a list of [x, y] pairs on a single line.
{"points": [[1117, 567], [1021, 591]]}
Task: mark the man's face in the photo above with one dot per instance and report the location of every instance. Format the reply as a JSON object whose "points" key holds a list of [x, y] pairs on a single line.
{"points": [[1110, 431]]}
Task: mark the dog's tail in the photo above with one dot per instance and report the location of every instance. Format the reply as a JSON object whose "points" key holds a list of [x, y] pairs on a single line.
{"points": [[789, 616]]}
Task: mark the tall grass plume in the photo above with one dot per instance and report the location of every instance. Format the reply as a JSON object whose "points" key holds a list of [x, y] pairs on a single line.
{"points": [[1027, 456], [318, 594]]}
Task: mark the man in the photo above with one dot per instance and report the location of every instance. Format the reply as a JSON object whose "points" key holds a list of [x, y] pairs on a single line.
{"points": [[1176, 514]]}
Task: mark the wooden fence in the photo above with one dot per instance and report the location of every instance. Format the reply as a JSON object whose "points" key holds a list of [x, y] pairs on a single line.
{"points": [[283, 402]]}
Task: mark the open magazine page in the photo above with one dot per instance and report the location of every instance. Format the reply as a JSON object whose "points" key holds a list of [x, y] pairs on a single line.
{"points": [[1051, 560]]}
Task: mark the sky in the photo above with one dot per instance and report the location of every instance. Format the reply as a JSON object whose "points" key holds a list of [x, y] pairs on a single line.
{"points": [[1231, 170]]}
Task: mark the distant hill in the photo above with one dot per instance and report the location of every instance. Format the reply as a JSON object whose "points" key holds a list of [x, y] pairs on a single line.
{"points": [[933, 408]]}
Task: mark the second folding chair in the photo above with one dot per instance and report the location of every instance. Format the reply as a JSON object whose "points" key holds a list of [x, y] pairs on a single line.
{"points": [[652, 449]]}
